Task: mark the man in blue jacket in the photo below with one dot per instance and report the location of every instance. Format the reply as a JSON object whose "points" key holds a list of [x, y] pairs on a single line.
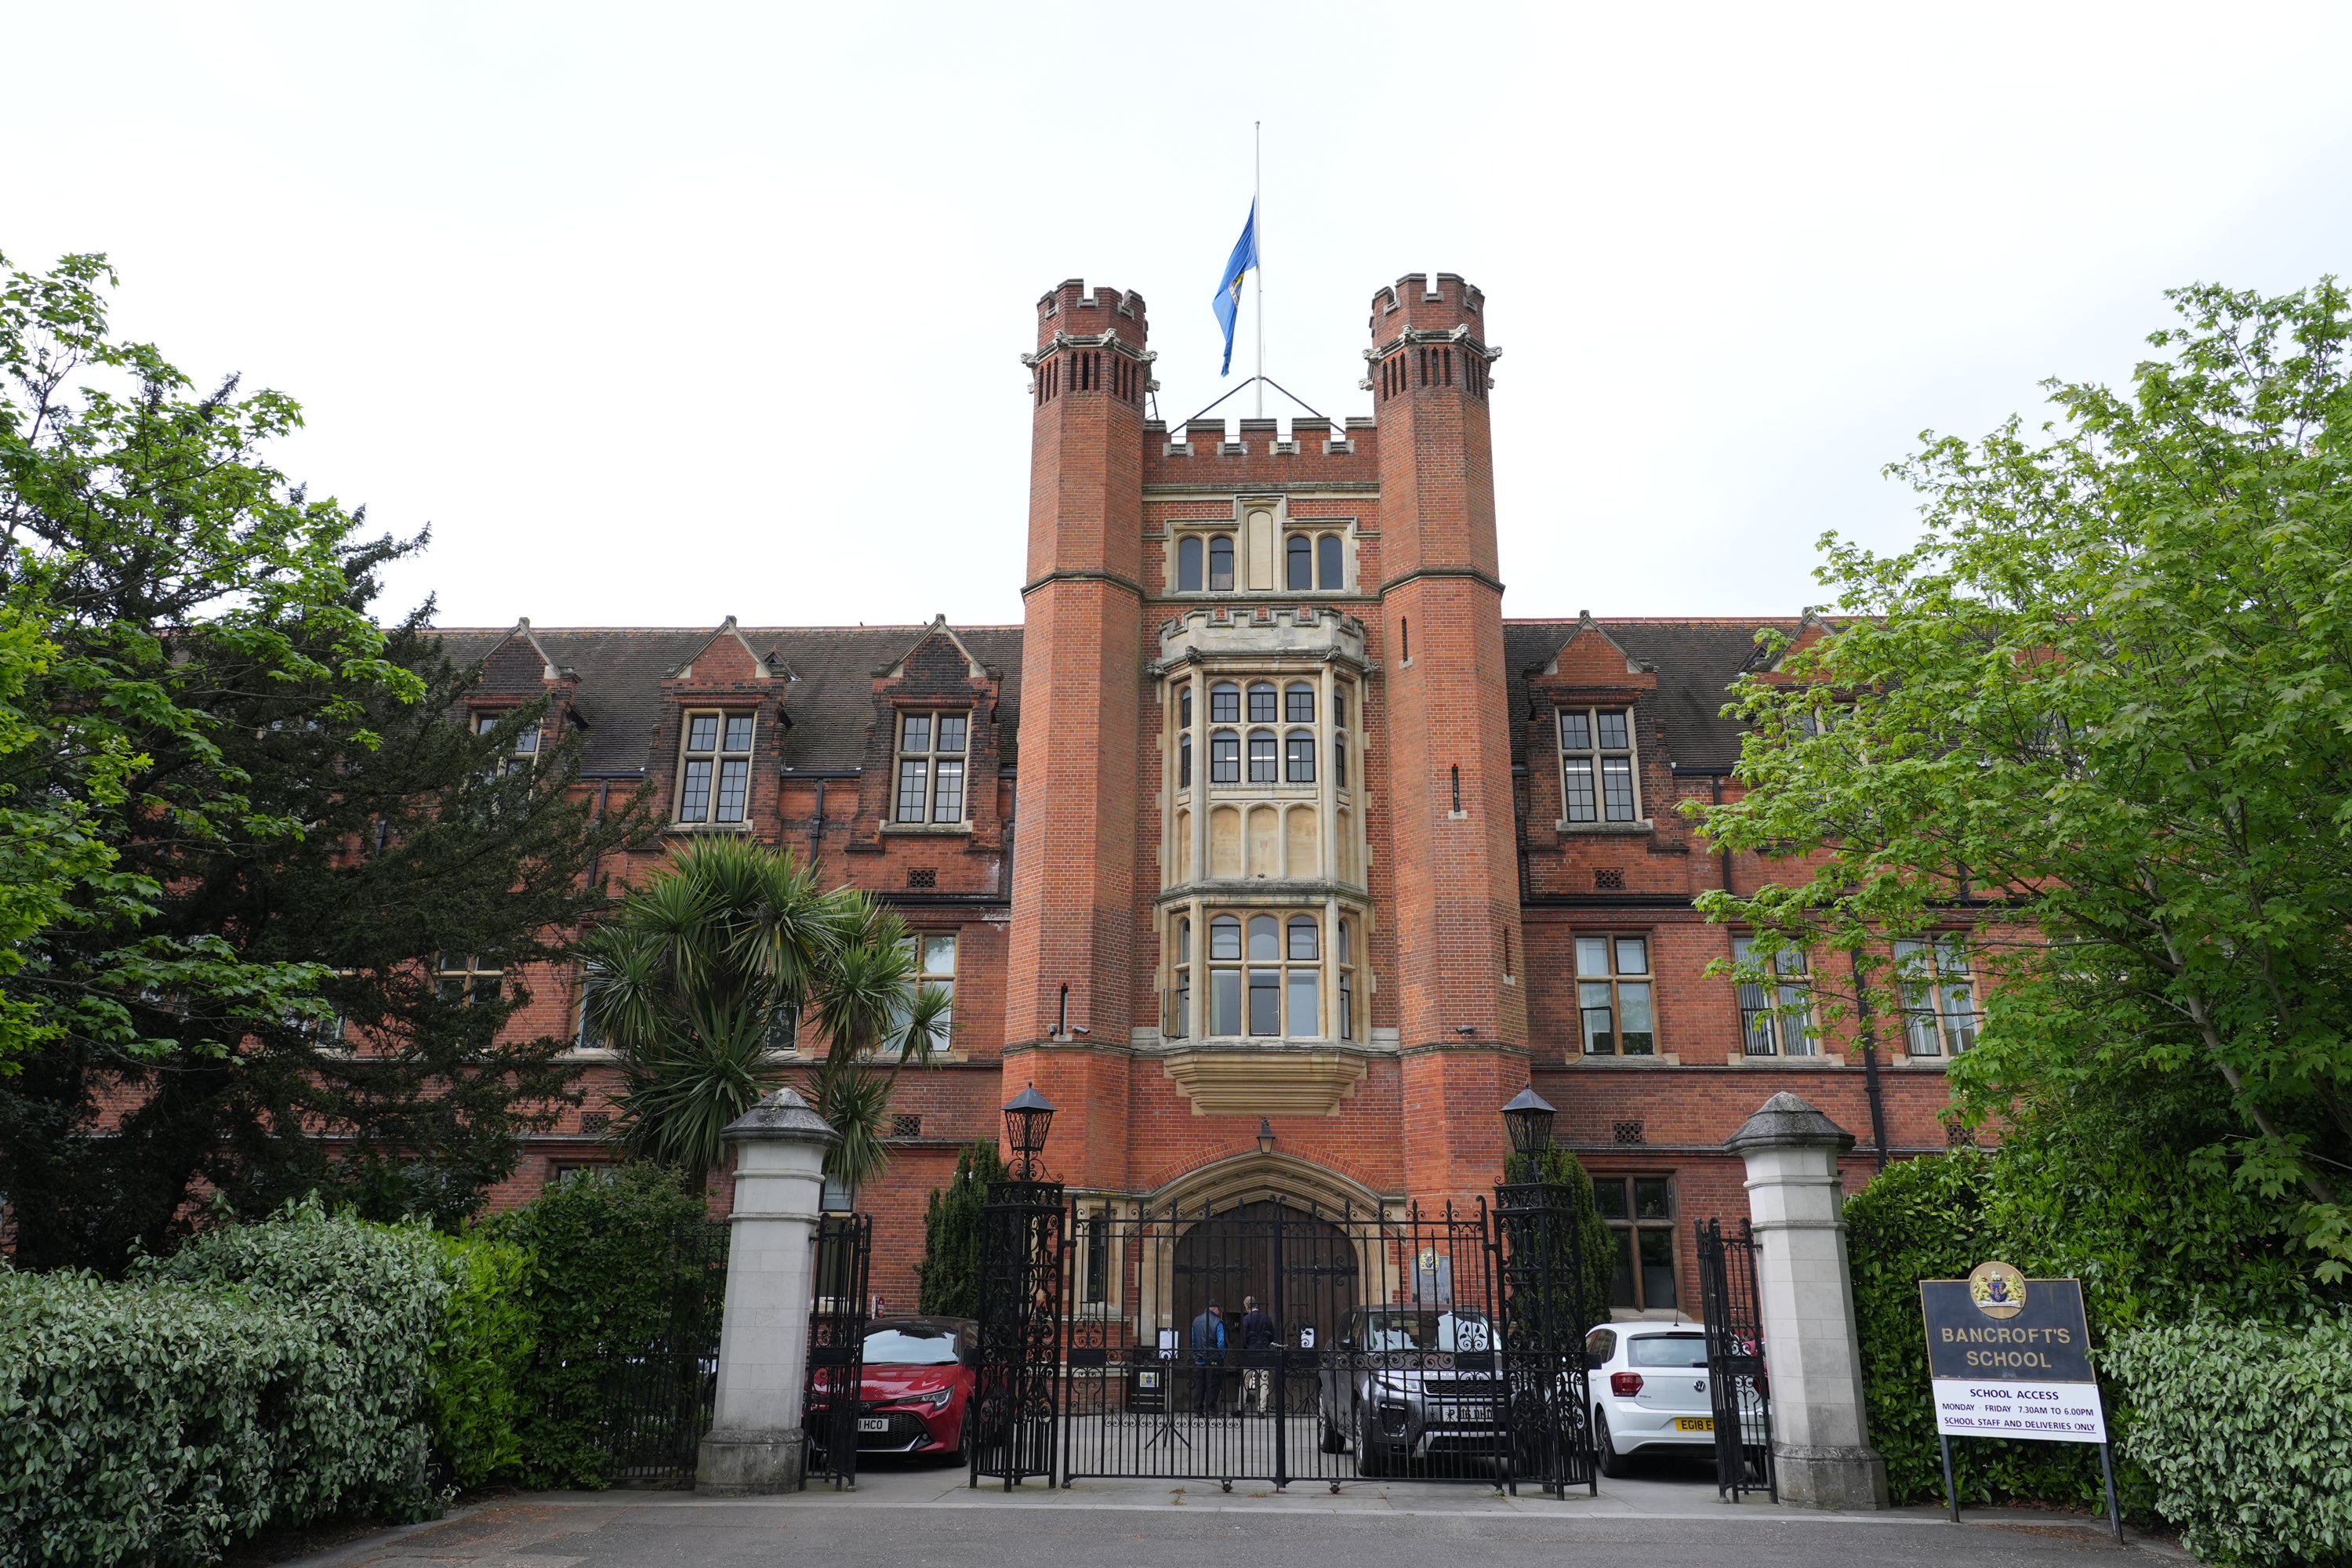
{"points": [[1208, 1360]]}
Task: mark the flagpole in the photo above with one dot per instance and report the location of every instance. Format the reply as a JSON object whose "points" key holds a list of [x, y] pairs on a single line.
{"points": [[1257, 221]]}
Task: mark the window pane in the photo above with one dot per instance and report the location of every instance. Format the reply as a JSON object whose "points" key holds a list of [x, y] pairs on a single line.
{"points": [[1596, 1017], [1614, 733], [918, 733], [1658, 1269], [1188, 565], [1575, 731], [1617, 788], [1640, 1032], [1298, 704], [527, 744], [1265, 1001], [1576, 788], [1299, 556], [702, 733], [1621, 1285], [1795, 1021], [1346, 931], [1221, 564], [1184, 706], [1633, 955], [939, 955], [911, 779], [1959, 1016], [738, 731], [1338, 707], [1224, 704], [1920, 1038], [734, 782], [1184, 762], [1224, 937], [1261, 758], [486, 723], [1298, 761], [1608, 1197], [1224, 757], [1650, 1198], [1266, 937], [1306, 1005], [1592, 955], [1329, 573], [947, 794], [952, 728], [1183, 941], [1339, 761], [1302, 939], [694, 799], [1225, 1001], [1347, 1005], [1261, 704], [1180, 1006]]}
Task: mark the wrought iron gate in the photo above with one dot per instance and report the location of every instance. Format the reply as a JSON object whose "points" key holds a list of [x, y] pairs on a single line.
{"points": [[655, 1393], [836, 1371], [1736, 1377], [1014, 1406], [1544, 1325]]}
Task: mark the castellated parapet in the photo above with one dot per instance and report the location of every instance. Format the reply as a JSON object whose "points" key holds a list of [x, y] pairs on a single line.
{"points": [[1262, 632]]}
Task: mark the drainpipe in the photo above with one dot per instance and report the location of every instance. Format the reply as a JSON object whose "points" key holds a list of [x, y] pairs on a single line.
{"points": [[1870, 1085], [816, 829]]}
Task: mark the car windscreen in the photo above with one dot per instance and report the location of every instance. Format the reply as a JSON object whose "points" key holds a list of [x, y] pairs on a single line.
{"points": [[1386, 1331], [910, 1347], [1667, 1350]]}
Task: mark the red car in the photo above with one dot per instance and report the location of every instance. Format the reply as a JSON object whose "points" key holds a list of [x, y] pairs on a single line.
{"points": [[917, 1388]]}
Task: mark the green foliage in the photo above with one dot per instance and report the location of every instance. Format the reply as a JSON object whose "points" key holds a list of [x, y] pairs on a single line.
{"points": [[2080, 1188], [293, 820], [1599, 1244], [270, 1373], [2102, 715], [602, 1274], [713, 960], [481, 1358], [953, 1221], [2247, 1433]]}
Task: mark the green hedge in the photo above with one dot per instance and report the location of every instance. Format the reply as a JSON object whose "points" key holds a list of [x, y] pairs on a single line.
{"points": [[481, 1359], [267, 1374], [603, 1274], [2247, 1435]]}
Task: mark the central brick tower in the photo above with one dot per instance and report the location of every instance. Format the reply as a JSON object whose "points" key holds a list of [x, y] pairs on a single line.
{"points": [[1075, 948], [1462, 1014]]}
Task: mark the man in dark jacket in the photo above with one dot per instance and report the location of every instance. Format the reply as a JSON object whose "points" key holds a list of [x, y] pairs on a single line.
{"points": [[1258, 1337], [1208, 1360]]}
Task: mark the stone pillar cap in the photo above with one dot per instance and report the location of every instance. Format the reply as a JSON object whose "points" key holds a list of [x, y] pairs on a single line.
{"points": [[1786, 1122], [785, 1117]]}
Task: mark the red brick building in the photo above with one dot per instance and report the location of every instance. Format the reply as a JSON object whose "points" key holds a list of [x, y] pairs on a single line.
{"points": [[1265, 814]]}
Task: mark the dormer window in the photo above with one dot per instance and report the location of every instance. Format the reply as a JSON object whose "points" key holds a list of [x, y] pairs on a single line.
{"points": [[1596, 765], [714, 780], [526, 746], [930, 774]]}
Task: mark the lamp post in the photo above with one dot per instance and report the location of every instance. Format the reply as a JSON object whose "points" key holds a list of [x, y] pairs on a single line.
{"points": [[1028, 1117], [1544, 1310], [1014, 1412]]}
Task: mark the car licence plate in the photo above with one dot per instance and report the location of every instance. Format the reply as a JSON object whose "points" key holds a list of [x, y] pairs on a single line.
{"points": [[1464, 1413], [874, 1424], [1695, 1424]]}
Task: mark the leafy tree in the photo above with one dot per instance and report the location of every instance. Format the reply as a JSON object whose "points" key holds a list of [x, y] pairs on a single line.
{"points": [[953, 1222], [710, 965], [293, 817], [2100, 718]]}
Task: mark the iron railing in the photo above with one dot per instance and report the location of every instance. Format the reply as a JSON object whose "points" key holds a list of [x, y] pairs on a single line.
{"points": [[654, 1397], [1736, 1381], [833, 1403]]}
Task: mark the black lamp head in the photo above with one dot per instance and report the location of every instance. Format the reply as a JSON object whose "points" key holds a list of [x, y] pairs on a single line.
{"points": [[1027, 1118], [1529, 1117]]}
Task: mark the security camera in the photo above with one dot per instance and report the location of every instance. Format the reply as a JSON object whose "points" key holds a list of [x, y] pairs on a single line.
{"points": [[1080, 1029], [1465, 1028]]}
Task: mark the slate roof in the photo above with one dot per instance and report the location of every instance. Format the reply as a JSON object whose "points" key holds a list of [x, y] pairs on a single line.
{"points": [[620, 670], [831, 704]]}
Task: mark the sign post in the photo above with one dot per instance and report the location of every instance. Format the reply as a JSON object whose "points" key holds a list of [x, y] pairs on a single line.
{"points": [[2011, 1357]]}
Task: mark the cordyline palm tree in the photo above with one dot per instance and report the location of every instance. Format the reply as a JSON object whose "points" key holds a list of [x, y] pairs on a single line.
{"points": [[707, 967]]}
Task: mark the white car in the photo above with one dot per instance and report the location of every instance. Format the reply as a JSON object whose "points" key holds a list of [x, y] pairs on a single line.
{"points": [[1650, 1396]]}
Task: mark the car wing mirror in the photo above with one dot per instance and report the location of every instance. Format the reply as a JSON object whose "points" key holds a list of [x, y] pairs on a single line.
{"points": [[1594, 1363]]}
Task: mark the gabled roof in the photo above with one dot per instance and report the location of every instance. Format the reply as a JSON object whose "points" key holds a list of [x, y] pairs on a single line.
{"points": [[1695, 661]]}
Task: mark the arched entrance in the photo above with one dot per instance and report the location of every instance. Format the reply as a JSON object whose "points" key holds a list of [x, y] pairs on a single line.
{"points": [[1303, 1270]]}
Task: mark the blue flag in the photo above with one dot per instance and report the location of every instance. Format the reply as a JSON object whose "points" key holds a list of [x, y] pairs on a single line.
{"points": [[1228, 303]]}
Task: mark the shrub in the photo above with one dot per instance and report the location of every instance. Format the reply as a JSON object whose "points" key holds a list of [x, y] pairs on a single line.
{"points": [[481, 1358], [603, 1273], [2247, 1435], [268, 1374], [952, 1222]]}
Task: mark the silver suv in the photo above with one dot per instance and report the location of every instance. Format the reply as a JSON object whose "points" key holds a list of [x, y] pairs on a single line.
{"points": [[1407, 1382]]}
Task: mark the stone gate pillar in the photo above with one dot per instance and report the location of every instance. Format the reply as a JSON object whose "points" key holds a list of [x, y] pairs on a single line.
{"points": [[755, 1442], [1821, 1438]]}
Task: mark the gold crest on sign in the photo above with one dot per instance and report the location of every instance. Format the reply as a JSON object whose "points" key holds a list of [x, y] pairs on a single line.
{"points": [[1997, 1289]]}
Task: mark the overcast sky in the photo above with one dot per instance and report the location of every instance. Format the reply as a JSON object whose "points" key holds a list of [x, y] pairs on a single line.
{"points": [[660, 314]]}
